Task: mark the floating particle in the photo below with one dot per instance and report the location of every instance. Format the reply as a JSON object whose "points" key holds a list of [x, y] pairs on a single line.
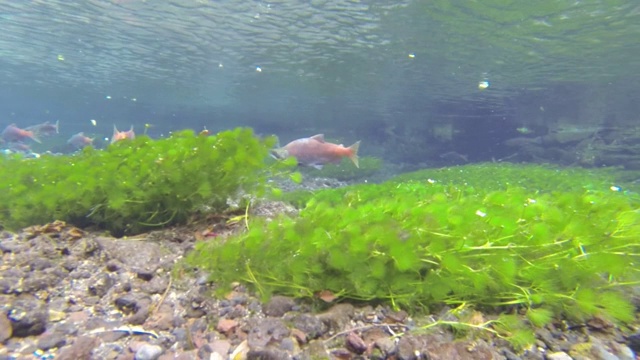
{"points": [[61, 57], [258, 69], [220, 65], [412, 56], [481, 213], [108, 97], [483, 85], [615, 188], [134, 99], [94, 122]]}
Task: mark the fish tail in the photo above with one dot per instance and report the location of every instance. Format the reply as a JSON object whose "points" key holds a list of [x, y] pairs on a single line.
{"points": [[35, 138], [353, 153], [57, 126], [115, 134]]}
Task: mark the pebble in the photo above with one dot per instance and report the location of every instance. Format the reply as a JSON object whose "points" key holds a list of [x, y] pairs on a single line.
{"points": [[5, 328], [355, 343], [148, 352], [560, 355], [100, 302], [310, 325], [225, 326], [278, 306], [28, 316]]}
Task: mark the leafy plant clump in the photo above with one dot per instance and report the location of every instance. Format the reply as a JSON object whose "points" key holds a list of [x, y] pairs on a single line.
{"points": [[419, 244], [134, 185]]}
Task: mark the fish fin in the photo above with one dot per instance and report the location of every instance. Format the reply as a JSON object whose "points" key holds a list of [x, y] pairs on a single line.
{"points": [[279, 153], [319, 137], [35, 138], [115, 134], [317, 166], [57, 126], [353, 153]]}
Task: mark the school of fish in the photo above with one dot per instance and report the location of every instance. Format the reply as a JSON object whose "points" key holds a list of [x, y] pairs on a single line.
{"points": [[312, 151], [16, 139]]}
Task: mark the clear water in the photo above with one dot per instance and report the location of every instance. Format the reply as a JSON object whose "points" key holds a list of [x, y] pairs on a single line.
{"points": [[386, 72]]}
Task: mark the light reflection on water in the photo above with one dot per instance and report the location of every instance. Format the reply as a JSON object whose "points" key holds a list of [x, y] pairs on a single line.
{"points": [[369, 54]]}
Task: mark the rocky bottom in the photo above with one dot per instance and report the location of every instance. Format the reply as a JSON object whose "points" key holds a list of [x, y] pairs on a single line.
{"points": [[71, 294]]}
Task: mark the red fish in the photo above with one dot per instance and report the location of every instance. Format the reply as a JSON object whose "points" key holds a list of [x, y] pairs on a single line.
{"points": [[20, 147], [316, 152], [79, 140], [121, 135], [12, 133]]}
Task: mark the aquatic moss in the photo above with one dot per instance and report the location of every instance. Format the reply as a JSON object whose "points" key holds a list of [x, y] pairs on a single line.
{"points": [[419, 244], [498, 176], [132, 186]]}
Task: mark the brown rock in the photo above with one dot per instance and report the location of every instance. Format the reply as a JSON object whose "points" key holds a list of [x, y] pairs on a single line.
{"points": [[278, 306], [396, 317], [410, 345], [338, 316], [300, 336], [225, 326], [5, 328], [316, 350], [355, 343], [221, 347], [266, 332], [341, 354], [463, 350], [79, 350], [386, 345], [29, 316], [162, 320], [311, 325], [123, 250]]}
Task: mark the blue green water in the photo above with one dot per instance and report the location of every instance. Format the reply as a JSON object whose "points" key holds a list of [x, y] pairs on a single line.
{"points": [[463, 75]]}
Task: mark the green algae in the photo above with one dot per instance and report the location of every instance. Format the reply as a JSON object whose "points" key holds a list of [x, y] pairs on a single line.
{"points": [[133, 186], [554, 243]]}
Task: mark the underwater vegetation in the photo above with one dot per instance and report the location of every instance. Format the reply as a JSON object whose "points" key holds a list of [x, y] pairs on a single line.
{"points": [[345, 171], [548, 242], [133, 186]]}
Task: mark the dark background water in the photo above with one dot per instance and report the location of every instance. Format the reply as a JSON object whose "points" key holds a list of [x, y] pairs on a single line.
{"points": [[404, 77]]}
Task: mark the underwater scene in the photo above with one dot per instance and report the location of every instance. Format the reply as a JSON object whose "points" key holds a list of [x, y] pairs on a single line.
{"points": [[321, 179]]}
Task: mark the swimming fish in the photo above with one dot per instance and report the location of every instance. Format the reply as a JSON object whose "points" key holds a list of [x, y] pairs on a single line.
{"points": [[79, 140], [12, 133], [45, 129], [316, 152], [121, 135], [19, 147]]}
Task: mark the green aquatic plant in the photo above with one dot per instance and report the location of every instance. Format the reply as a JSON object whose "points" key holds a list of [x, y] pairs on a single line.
{"points": [[502, 175], [132, 186], [420, 244]]}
